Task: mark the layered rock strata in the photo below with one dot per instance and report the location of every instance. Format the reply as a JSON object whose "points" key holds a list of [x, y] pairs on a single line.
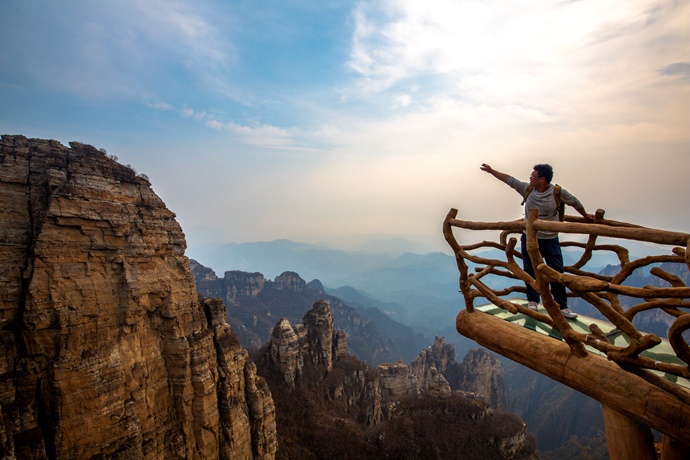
{"points": [[334, 406], [315, 345], [482, 373], [106, 350], [435, 372], [314, 342]]}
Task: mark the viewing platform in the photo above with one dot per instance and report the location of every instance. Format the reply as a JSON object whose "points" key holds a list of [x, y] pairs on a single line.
{"points": [[641, 379]]}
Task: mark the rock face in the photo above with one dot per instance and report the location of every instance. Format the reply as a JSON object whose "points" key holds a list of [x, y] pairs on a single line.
{"points": [[396, 380], [436, 384], [290, 281], [315, 342], [482, 373], [440, 357], [312, 348], [286, 351], [435, 372], [331, 405], [318, 323], [243, 284], [106, 349]]}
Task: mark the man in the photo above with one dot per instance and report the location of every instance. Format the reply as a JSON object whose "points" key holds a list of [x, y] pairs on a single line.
{"points": [[542, 198]]}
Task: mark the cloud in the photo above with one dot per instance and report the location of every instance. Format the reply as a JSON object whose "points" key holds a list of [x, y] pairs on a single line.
{"points": [[106, 50], [191, 113], [555, 58], [160, 105], [264, 135], [680, 69], [250, 133]]}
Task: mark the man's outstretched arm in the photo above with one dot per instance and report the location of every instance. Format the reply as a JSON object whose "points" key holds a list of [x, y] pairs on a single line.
{"points": [[497, 174]]}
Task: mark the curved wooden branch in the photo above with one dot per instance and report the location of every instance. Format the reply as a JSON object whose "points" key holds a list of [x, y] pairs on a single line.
{"points": [[587, 254], [675, 337], [628, 269], [670, 306], [514, 226], [542, 282], [673, 280], [622, 253]]}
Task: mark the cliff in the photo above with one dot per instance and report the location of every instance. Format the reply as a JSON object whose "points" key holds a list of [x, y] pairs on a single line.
{"points": [[106, 350], [435, 371], [332, 405]]}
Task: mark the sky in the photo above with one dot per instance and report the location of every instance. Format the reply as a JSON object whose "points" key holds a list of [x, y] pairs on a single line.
{"points": [[339, 121]]}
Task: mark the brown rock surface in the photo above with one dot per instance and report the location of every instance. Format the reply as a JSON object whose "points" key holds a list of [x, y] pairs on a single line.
{"points": [[286, 352], [440, 355], [318, 323], [331, 405], [396, 380], [436, 385], [243, 284], [314, 342], [291, 281], [106, 350], [482, 373]]}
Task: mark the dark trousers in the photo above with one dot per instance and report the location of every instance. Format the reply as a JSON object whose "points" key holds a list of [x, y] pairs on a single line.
{"points": [[550, 250]]}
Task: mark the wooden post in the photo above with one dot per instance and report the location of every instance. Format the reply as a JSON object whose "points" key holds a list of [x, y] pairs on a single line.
{"points": [[672, 449], [628, 439]]}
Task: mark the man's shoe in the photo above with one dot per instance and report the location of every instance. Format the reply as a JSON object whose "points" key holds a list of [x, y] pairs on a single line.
{"points": [[532, 305], [568, 313]]}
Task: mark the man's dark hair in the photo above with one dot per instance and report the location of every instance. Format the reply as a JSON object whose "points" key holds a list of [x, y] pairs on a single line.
{"points": [[545, 171]]}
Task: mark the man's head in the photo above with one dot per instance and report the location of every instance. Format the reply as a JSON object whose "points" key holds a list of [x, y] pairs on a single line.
{"points": [[544, 171]]}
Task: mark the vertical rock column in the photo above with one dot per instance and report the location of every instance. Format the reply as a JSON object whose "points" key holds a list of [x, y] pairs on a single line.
{"points": [[319, 325]]}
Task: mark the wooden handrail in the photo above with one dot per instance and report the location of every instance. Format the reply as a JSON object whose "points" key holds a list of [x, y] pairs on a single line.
{"points": [[602, 292]]}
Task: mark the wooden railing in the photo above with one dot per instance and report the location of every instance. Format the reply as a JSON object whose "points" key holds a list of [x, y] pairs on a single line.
{"points": [[602, 291]]}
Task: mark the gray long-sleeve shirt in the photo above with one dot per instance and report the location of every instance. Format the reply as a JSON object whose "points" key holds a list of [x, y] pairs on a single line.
{"points": [[544, 201]]}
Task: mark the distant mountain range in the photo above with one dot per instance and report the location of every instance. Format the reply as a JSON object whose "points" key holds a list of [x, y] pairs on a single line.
{"points": [[311, 261], [272, 258], [254, 305], [419, 290]]}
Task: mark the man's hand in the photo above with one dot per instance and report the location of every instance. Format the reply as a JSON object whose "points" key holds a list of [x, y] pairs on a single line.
{"points": [[497, 174], [585, 214]]}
